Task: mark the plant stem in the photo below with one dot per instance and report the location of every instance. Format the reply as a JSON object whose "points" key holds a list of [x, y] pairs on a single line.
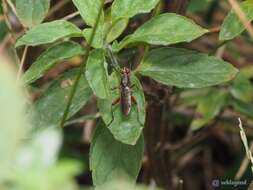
{"points": [[82, 67], [82, 119], [70, 16], [20, 69], [56, 7]]}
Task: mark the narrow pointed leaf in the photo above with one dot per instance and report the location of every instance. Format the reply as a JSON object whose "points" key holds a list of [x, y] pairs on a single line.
{"points": [[232, 26], [130, 8], [30, 12], [164, 29], [96, 73], [48, 33], [126, 129], [111, 159], [185, 68], [50, 58], [49, 108]]}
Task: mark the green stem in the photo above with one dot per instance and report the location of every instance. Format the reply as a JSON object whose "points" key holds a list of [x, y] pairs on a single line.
{"points": [[82, 67]]}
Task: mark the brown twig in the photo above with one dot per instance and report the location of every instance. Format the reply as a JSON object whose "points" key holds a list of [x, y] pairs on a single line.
{"points": [[238, 11], [70, 16], [244, 165], [12, 7], [215, 29], [56, 7]]}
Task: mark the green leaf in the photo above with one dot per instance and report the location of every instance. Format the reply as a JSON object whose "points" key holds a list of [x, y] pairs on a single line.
{"points": [[49, 108], [110, 159], [116, 30], [232, 26], [185, 68], [113, 29], [242, 88], [96, 73], [130, 8], [126, 129], [50, 58], [164, 29], [89, 10], [98, 40], [243, 108], [13, 121], [49, 32], [30, 12], [209, 107]]}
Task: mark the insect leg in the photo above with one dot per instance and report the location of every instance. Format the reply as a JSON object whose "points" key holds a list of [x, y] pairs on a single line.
{"points": [[133, 99], [116, 101], [115, 88]]}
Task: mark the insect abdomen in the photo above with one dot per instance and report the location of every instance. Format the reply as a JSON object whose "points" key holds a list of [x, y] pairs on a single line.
{"points": [[126, 100]]}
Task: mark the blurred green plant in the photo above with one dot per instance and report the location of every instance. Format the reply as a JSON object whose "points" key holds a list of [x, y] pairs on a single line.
{"points": [[28, 159]]}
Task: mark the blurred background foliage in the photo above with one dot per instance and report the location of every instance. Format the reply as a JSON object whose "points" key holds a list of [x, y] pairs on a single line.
{"points": [[201, 140]]}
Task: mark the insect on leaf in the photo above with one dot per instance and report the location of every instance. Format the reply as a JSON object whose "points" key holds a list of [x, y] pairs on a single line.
{"points": [[126, 129]]}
